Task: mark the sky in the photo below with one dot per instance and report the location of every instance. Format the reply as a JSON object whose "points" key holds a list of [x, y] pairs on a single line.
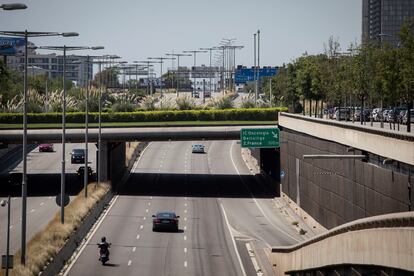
{"points": [[137, 29]]}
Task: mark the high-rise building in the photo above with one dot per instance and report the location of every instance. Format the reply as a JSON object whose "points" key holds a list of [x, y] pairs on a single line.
{"points": [[383, 19]]}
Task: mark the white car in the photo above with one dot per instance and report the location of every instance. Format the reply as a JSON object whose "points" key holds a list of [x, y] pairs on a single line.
{"points": [[197, 148]]}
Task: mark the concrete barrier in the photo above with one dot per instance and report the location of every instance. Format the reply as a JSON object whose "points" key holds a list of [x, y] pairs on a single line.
{"points": [[386, 240]]}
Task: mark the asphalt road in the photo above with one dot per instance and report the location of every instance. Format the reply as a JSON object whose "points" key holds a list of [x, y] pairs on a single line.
{"points": [[221, 206], [43, 170]]}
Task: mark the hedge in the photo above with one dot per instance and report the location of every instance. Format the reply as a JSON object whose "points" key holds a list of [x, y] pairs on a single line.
{"points": [[249, 114]]}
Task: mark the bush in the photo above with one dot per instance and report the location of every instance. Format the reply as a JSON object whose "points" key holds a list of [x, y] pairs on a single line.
{"points": [[250, 114]]}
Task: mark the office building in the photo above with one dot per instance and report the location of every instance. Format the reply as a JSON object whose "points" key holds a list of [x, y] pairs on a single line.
{"points": [[383, 19]]}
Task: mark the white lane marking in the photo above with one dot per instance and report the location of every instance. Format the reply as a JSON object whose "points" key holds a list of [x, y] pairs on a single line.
{"points": [[185, 204], [146, 210], [11, 226], [185, 249], [254, 199], [233, 240], [129, 262], [185, 218], [49, 197], [150, 197], [31, 211], [133, 249], [185, 238], [41, 203], [14, 198], [142, 226], [185, 263], [185, 211], [138, 237], [140, 157], [149, 203], [90, 237], [185, 228], [144, 218], [185, 198]]}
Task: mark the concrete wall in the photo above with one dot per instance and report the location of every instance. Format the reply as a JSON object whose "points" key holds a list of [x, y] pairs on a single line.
{"points": [[386, 246], [116, 162], [338, 191]]}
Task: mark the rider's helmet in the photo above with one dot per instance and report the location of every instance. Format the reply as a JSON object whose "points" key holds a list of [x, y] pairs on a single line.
{"points": [[103, 239]]}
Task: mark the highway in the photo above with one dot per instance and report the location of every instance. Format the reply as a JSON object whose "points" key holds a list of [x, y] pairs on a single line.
{"points": [[222, 208], [43, 170]]}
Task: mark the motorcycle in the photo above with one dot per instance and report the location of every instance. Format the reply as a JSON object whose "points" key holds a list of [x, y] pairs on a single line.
{"points": [[104, 254]]}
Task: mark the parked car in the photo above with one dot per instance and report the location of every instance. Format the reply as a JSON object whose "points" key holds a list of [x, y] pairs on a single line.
{"points": [[405, 118], [197, 148], [81, 171], [46, 148], [377, 114], [165, 221], [385, 114], [343, 113], [77, 156]]}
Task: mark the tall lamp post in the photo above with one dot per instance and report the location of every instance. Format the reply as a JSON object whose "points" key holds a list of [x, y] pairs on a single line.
{"points": [[148, 63], [26, 34], [88, 61], [4, 203], [161, 61], [178, 67], [195, 64], [211, 71], [65, 48]]}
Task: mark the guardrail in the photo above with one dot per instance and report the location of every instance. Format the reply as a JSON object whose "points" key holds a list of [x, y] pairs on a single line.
{"points": [[386, 240]]}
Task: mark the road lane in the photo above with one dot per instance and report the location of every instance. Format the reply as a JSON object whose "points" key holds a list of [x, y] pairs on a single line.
{"points": [[43, 170]]}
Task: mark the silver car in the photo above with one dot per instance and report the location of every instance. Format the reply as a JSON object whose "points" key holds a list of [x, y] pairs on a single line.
{"points": [[197, 148]]}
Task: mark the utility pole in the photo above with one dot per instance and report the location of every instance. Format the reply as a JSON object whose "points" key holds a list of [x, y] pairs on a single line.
{"points": [[161, 61]]}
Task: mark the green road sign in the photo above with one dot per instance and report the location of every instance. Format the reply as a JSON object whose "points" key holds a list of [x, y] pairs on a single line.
{"points": [[259, 137]]}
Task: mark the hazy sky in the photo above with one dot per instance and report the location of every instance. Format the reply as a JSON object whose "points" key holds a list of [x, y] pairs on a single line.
{"points": [[137, 29]]}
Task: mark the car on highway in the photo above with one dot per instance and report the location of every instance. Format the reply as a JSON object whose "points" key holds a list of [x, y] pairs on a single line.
{"points": [[197, 148], [77, 156], [81, 171], [46, 148], [165, 221]]}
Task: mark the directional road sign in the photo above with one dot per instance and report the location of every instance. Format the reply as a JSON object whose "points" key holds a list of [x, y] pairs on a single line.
{"points": [[259, 137]]}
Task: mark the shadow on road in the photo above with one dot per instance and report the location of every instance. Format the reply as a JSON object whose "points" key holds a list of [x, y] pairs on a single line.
{"points": [[41, 185], [198, 185]]}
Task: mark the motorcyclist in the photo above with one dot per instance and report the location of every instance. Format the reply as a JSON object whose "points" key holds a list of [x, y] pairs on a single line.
{"points": [[104, 246]]}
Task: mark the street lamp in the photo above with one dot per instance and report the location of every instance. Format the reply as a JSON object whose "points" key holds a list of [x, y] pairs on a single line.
{"points": [[161, 61], [26, 34], [195, 62], [65, 48], [4, 203], [178, 66], [86, 171], [148, 63], [13, 6]]}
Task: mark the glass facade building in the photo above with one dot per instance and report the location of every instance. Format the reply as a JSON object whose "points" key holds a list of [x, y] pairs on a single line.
{"points": [[382, 19]]}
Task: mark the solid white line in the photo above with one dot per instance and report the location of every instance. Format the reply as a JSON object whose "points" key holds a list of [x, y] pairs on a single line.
{"points": [[129, 262], [138, 237], [254, 199], [91, 235], [133, 249], [233, 240]]}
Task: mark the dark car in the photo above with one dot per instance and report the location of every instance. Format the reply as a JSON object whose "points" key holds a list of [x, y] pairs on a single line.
{"points": [[14, 178], [165, 221], [81, 171], [77, 156], [46, 148]]}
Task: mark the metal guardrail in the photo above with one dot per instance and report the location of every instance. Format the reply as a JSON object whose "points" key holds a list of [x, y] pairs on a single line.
{"points": [[383, 132], [404, 219]]}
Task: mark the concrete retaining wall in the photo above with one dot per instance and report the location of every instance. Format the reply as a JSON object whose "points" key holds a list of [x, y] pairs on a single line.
{"points": [[338, 191]]}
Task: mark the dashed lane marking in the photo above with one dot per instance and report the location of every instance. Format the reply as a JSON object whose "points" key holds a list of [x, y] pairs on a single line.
{"points": [[129, 262], [138, 237], [142, 226], [133, 249], [185, 249], [185, 263]]}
